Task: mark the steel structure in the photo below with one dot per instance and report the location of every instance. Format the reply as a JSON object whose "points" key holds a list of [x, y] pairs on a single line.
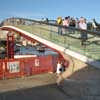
{"points": [[16, 67]]}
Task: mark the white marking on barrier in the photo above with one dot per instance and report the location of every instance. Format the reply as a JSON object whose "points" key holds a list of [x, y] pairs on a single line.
{"points": [[24, 56], [13, 67], [37, 62]]}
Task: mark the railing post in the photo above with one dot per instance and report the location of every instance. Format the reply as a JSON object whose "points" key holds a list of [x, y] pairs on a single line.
{"points": [[10, 45]]}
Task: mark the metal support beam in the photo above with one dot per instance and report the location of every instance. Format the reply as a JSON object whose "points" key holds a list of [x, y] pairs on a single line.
{"points": [[10, 45]]}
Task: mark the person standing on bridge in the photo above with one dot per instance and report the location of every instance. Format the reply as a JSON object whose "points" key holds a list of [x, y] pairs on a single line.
{"points": [[83, 26], [66, 23], [59, 22]]}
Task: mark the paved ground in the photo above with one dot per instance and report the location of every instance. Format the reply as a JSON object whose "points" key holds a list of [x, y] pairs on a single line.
{"points": [[43, 87], [82, 82], [38, 87]]}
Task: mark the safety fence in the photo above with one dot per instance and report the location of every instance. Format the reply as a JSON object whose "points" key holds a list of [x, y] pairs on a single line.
{"points": [[14, 68], [67, 37]]}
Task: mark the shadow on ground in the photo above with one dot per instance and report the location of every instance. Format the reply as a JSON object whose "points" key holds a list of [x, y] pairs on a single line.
{"points": [[46, 92], [87, 73], [83, 83]]}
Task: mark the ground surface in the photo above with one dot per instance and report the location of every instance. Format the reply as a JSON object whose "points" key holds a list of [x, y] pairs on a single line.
{"points": [[83, 86], [38, 87]]}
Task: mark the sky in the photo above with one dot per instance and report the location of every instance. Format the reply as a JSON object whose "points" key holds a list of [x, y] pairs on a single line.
{"points": [[49, 8]]}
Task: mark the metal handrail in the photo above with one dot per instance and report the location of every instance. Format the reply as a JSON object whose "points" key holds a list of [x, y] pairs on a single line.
{"points": [[56, 25]]}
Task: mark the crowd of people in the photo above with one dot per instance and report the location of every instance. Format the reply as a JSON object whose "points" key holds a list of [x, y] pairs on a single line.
{"points": [[71, 22]]}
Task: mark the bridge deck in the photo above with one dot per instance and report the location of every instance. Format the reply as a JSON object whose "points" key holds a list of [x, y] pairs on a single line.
{"points": [[70, 46], [92, 49]]}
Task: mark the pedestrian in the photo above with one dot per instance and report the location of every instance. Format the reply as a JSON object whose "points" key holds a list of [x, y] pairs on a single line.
{"points": [[60, 70], [66, 23], [94, 26], [59, 67], [59, 22], [77, 23], [83, 26]]}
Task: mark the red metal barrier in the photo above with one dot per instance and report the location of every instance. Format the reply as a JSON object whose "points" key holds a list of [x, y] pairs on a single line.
{"points": [[14, 68], [1, 70], [11, 68], [42, 64]]}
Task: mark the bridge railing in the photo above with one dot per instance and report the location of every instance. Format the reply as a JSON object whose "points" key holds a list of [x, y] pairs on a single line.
{"points": [[68, 37]]}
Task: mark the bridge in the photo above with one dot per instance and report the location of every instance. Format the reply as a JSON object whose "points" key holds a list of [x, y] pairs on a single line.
{"points": [[84, 92], [50, 43], [69, 43]]}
